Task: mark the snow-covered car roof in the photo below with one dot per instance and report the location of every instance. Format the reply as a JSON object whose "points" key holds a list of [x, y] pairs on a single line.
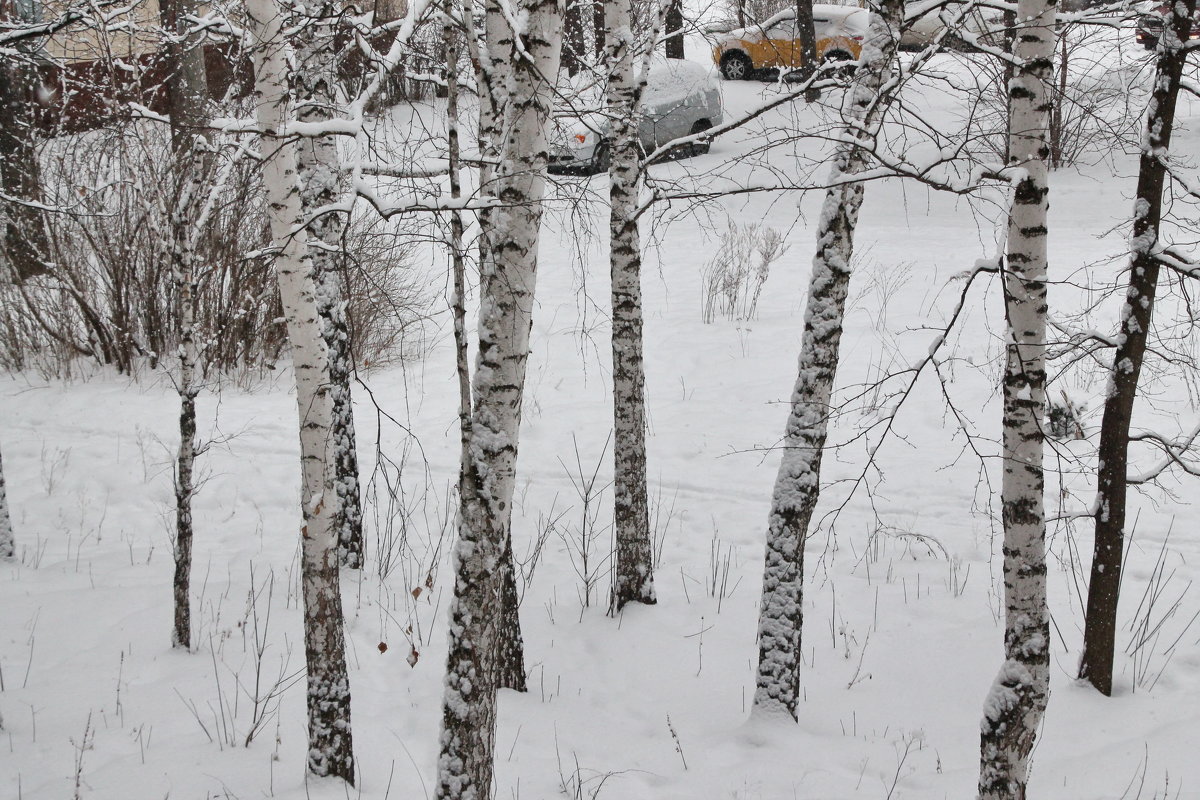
{"points": [[821, 11]]}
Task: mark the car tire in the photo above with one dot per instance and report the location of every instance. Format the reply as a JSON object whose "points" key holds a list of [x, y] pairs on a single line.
{"points": [[698, 148], [736, 66], [600, 159], [839, 63]]}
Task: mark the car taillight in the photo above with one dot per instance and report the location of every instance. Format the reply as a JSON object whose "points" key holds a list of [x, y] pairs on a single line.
{"points": [[857, 38], [581, 137]]}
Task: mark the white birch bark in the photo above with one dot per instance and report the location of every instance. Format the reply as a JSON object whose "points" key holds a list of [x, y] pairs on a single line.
{"points": [[798, 483], [1014, 706], [322, 184], [8, 547], [494, 57], [329, 735], [194, 167], [507, 286], [633, 578]]}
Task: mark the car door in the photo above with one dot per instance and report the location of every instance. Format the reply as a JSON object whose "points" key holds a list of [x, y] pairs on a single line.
{"points": [[665, 108], [780, 45]]}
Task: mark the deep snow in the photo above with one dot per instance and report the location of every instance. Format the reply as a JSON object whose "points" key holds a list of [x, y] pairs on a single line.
{"points": [[902, 633]]}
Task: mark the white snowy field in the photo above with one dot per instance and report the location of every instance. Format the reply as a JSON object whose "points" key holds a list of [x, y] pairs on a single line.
{"points": [[903, 619]]}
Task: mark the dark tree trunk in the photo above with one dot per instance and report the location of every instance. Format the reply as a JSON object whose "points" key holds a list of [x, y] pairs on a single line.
{"points": [[1100, 622], [7, 543], [23, 239], [807, 36], [510, 644], [674, 29], [598, 28], [574, 38]]}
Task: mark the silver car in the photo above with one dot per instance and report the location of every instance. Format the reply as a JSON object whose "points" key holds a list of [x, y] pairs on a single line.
{"points": [[680, 98]]}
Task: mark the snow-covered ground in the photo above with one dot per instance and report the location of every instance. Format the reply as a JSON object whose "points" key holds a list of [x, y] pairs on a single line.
{"points": [[903, 627]]}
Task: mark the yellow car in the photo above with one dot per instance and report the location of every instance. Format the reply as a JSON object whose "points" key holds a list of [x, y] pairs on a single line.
{"points": [[774, 44]]}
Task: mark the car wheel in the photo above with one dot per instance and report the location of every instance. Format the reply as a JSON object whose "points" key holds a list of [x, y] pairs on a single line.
{"points": [[699, 148], [600, 159], [839, 63], [736, 66]]}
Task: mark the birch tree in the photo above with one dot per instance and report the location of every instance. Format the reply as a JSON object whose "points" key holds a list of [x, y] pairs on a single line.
{"points": [[330, 748], [506, 303], [1100, 623], [493, 74], [315, 87], [633, 579], [191, 168], [8, 547], [187, 95], [798, 483], [1017, 700]]}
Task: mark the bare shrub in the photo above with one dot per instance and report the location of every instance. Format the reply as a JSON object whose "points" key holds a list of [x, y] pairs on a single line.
{"points": [[732, 281], [1097, 96], [108, 293]]}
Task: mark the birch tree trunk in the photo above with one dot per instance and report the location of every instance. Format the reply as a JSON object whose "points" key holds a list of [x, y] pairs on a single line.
{"points": [[8, 548], [495, 59], [187, 96], [507, 285], [314, 83], [1100, 623], [1014, 706], [633, 579], [192, 172], [798, 484], [330, 748]]}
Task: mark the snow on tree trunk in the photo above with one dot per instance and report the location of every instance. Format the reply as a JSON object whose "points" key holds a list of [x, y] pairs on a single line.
{"points": [[321, 185], [187, 96], [1014, 706], [494, 61], [798, 483], [8, 548], [1100, 622], [633, 578], [330, 751], [506, 305]]}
